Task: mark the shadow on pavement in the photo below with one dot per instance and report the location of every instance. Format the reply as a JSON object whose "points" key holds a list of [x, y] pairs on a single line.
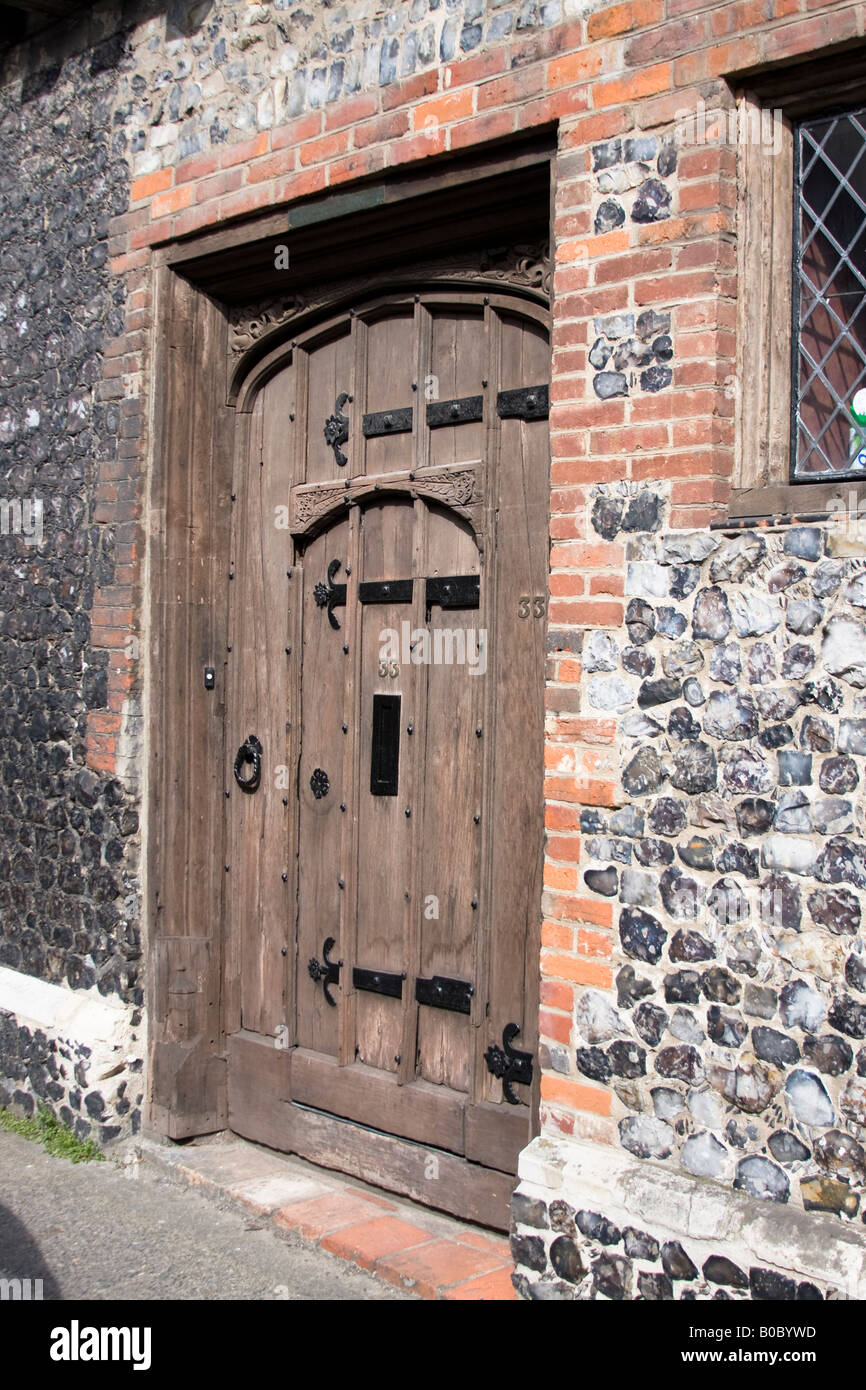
{"points": [[20, 1260]]}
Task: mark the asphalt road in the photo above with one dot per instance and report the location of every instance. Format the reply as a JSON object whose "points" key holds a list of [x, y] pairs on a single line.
{"points": [[90, 1232]]}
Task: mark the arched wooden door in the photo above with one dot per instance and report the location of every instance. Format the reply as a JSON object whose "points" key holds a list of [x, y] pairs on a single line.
{"points": [[389, 563]]}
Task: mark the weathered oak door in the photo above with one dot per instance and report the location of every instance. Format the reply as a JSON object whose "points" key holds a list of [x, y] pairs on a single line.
{"points": [[385, 698]]}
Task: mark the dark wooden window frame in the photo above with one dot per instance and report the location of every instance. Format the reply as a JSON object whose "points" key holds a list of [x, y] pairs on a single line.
{"points": [[762, 484], [500, 195]]}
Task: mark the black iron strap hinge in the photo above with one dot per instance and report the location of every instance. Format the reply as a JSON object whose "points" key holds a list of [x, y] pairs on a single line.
{"points": [[385, 591], [454, 591], [379, 982], [458, 412], [442, 993], [380, 422], [527, 403], [445, 591], [449, 591]]}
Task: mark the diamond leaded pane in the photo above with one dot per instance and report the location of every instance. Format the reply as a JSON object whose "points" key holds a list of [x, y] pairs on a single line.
{"points": [[830, 296]]}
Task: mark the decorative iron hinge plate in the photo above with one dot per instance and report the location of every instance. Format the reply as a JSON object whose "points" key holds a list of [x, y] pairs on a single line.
{"points": [[387, 422], [328, 971], [320, 783], [459, 412], [379, 982], [336, 429], [442, 993], [510, 1066], [331, 595], [527, 403]]}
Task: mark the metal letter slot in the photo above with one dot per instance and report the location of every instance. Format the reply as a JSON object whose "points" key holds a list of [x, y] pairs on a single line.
{"points": [[459, 412], [379, 982], [442, 993], [527, 403], [385, 753]]}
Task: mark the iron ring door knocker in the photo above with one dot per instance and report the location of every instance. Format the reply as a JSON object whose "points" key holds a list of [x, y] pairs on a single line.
{"points": [[250, 751]]}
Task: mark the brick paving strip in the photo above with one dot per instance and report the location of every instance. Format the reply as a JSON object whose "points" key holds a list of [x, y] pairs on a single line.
{"points": [[424, 1252]]}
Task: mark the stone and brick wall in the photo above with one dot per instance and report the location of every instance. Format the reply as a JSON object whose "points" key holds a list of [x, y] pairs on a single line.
{"points": [[69, 816], [702, 963], [713, 927]]}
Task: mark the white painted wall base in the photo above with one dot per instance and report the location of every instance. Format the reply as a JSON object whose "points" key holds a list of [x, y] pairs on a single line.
{"points": [[706, 1218], [94, 1045]]}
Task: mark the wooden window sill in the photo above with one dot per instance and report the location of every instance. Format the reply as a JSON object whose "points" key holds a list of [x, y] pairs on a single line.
{"points": [[796, 500]]}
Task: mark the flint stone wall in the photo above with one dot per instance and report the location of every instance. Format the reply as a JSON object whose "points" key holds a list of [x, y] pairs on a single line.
{"points": [[735, 863]]}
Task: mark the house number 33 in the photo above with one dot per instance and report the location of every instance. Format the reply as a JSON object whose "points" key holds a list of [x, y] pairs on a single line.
{"points": [[532, 607]]}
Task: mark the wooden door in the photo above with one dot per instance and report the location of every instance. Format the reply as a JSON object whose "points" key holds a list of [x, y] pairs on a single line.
{"points": [[389, 576]]}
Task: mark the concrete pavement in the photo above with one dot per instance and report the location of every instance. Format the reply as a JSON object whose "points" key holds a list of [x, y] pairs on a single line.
{"points": [[90, 1232]]}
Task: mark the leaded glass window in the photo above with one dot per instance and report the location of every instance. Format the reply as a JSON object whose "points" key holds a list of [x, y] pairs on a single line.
{"points": [[829, 300]]}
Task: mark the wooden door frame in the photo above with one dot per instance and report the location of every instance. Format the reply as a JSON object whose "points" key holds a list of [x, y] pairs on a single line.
{"points": [[186, 617]]}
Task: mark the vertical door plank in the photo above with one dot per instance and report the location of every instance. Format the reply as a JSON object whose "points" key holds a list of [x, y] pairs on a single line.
{"points": [[415, 715], [238, 715], [189, 521], [390, 371], [384, 829], [515, 807], [246, 845], [258, 881], [320, 829], [457, 369], [450, 854], [328, 363]]}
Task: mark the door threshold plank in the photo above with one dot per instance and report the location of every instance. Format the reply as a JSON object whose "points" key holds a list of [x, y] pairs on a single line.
{"points": [[496, 1134], [361, 1093], [259, 1077], [430, 1176]]}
